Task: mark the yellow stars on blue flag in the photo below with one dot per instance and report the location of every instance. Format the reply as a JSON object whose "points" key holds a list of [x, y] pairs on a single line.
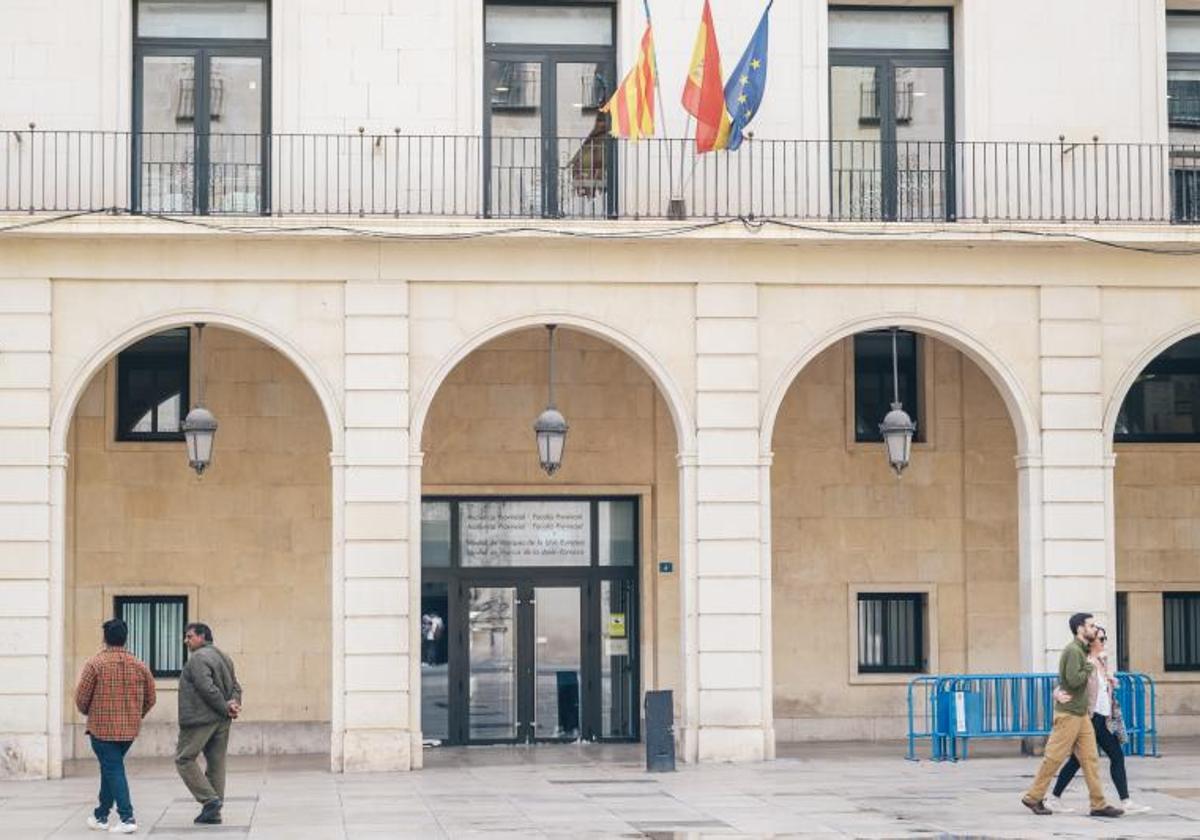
{"points": [[747, 83]]}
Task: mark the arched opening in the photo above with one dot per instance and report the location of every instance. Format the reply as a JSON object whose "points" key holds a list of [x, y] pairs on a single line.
{"points": [[245, 549], [548, 602], [1153, 427], [876, 579]]}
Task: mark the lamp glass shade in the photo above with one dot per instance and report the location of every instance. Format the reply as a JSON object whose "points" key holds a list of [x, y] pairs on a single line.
{"points": [[199, 429], [551, 431], [897, 430]]}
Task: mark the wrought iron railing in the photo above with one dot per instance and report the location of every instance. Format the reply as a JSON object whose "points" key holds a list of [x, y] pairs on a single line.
{"points": [[595, 177]]}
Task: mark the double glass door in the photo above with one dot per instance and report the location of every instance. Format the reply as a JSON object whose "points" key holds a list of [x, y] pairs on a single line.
{"points": [[547, 150], [891, 156], [199, 144]]}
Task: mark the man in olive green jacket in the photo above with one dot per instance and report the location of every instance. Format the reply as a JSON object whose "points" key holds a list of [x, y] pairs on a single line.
{"points": [[210, 698], [1072, 729]]}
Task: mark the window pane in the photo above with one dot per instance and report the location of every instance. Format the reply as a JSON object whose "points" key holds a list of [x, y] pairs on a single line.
{"points": [[202, 18], [152, 380], [168, 653], [138, 616], [1183, 33], [618, 537], [873, 388], [435, 534], [520, 533], [890, 633], [896, 30], [548, 25], [235, 148], [1181, 631], [1164, 402], [435, 658]]}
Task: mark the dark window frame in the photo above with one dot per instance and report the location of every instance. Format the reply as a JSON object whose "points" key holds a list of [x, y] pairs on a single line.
{"points": [[155, 362], [915, 407], [201, 51], [1188, 635], [1185, 177], [548, 57], [119, 602], [919, 664], [886, 62], [1164, 366]]}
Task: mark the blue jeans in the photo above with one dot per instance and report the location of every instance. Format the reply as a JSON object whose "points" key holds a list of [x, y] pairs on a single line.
{"points": [[113, 785]]}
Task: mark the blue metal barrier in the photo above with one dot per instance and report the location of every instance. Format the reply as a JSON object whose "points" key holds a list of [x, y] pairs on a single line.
{"points": [[952, 709]]}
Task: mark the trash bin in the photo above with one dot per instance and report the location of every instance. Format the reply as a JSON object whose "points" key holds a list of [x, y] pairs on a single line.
{"points": [[660, 732]]}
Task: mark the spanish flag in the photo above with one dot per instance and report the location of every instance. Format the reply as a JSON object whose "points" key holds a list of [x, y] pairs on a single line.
{"points": [[704, 89], [631, 108]]}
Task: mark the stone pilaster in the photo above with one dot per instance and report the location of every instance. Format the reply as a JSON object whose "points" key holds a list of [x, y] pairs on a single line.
{"points": [[376, 712], [1077, 577], [733, 617], [30, 726]]}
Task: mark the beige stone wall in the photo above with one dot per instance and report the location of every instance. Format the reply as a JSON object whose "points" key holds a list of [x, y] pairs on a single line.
{"points": [[248, 544], [1158, 549], [478, 438], [841, 520]]}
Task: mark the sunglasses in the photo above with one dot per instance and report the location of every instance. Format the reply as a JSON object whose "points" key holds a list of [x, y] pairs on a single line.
{"points": [[1102, 639]]}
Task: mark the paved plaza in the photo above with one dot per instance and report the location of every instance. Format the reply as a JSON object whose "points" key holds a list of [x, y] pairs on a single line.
{"points": [[814, 790]]}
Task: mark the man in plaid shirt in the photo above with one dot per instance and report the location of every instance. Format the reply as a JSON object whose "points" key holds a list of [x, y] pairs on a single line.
{"points": [[115, 691]]}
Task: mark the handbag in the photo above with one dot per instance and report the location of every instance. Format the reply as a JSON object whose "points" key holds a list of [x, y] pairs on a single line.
{"points": [[1116, 722]]}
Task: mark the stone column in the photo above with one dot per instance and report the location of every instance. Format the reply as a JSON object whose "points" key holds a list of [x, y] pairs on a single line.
{"points": [[30, 718], [375, 625], [733, 688], [1077, 577]]}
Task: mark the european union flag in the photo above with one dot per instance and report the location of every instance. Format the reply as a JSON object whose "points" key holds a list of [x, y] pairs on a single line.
{"points": [[744, 90]]}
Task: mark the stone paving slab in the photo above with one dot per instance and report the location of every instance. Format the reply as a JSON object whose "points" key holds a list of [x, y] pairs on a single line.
{"points": [[589, 791]]}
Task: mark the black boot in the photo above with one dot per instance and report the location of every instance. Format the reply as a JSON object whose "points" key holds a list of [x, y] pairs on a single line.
{"points": [[210, 814]]}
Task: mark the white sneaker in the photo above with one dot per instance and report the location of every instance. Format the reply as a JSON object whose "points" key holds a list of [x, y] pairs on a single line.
{"points": [[1055, 804], [95, 824], [1132, 808], [123, 828]]}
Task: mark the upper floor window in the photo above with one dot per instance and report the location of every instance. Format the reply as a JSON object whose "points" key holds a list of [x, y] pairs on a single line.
{"points": [[891, 91], [1163, 404], [152, 387], [873, 388], [1183, 112], [201, 116]]}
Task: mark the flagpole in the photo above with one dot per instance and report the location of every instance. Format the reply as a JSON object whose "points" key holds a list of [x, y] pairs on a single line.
{"points": [[662, 112]]}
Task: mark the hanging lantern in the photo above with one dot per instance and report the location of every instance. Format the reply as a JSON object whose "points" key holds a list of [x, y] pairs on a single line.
{"points": [[200, 426], [550, 429], [897, 427]]}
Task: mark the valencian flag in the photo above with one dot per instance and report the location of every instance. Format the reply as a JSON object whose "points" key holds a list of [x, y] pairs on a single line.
{"points": [[703, 97], [631, 108], [744, 92]]}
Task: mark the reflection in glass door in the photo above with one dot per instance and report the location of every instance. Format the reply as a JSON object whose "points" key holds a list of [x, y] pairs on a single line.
{"points": [[856, 157], [235, 182], [557, 659], [167, 141], [492, 662]]}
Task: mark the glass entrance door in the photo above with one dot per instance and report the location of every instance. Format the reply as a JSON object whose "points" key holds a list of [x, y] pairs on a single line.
{"points": [[525, 656]]}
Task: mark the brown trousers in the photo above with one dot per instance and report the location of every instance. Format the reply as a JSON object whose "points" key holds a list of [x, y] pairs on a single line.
{"points": [[1070, 734], [212, 739]]}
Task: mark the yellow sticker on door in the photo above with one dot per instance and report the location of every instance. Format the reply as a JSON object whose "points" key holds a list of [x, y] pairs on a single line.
{"points": [[616, 625]]}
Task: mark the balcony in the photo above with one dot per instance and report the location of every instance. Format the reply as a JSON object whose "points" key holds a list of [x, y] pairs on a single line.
{"points": [[397, 175]]}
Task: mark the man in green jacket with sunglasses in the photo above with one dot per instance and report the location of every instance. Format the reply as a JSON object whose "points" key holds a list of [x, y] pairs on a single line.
{"points": [[1072, 730]]}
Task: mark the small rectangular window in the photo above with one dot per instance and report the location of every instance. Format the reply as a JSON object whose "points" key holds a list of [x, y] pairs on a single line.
{"points": [[1122, 631], [156, 625], [1183, 33], [891, 633], [1181, 631], [435, 535], [242, 19], [152, 387], [618, 533], [873, 390]]}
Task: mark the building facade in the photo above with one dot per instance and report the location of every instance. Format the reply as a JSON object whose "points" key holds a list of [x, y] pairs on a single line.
{"points": [[376, 208]]}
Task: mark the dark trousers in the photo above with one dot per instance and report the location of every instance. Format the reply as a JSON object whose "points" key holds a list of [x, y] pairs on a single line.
{"points": [[1116, 760], [114, 787]]}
